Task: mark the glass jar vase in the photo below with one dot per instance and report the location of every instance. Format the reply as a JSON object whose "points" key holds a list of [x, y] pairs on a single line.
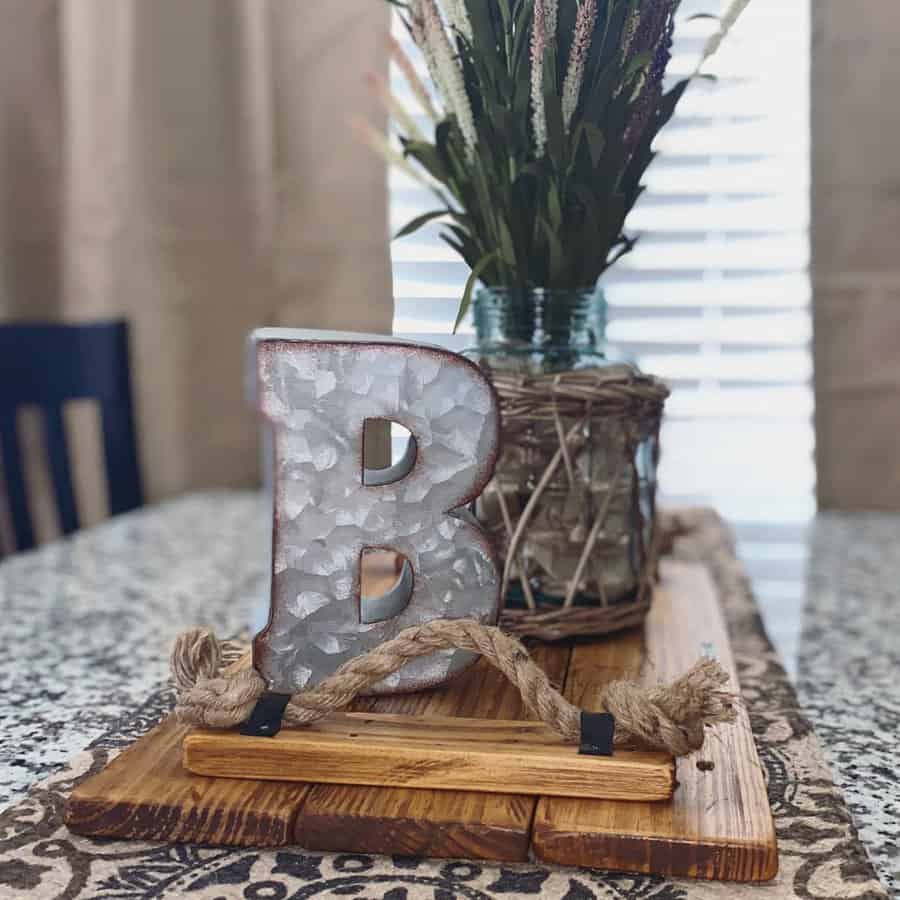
{"points": [[572, 503]]}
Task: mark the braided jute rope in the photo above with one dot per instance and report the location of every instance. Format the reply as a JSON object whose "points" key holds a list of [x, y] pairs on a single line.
{"points": [[663, 717]]}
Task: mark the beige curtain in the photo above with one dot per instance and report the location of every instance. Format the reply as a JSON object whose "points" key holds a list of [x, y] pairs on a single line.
{"points": [[189, 165], [856, 263]]}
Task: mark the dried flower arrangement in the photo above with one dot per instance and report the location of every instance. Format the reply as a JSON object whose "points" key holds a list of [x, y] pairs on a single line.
{"points": [[544, 113]]}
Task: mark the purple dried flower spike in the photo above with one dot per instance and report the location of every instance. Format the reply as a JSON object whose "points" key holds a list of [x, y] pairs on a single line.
{"points": [[652, 22], [652, 87]]}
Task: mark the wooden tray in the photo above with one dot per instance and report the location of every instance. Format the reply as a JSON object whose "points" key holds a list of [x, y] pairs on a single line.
{"points": [[718, 824]]}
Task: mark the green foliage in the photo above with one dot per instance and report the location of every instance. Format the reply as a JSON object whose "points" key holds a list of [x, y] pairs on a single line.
{"points": [[555, 220]]}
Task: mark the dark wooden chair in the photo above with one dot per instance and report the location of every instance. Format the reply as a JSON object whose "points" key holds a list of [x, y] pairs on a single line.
{"points": [[45, 366]]}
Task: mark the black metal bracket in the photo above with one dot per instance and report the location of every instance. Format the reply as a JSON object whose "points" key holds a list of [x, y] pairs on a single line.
{"points": [[597, 733], [265, 720]]}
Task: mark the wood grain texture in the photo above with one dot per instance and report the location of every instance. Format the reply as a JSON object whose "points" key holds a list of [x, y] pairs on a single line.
{"points": [[719, 824], [490, 756], [431, 822], [145, 793]]}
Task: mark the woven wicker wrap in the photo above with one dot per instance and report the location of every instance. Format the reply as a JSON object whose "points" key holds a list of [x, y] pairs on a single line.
{"points": [[565, 506]]}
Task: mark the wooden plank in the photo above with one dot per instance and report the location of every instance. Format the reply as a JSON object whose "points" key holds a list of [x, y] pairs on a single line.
{"points": [[719, 824], [144, 793], [447, 824], [457, 754]]}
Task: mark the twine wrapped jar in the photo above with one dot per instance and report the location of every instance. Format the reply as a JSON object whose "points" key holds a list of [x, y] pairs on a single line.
{"points": [[572, 504]]}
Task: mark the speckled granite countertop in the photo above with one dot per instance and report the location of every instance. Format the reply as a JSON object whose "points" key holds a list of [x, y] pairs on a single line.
{"points": [[849, 669], [85, 627], [85, 624]]}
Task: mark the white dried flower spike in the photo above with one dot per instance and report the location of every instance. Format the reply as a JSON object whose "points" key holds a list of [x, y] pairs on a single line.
{"points": [[405, 64], [458, 17], [543, 30], [538, 45], [420, 39], [726, 23], [449, 75], [585, 21]]}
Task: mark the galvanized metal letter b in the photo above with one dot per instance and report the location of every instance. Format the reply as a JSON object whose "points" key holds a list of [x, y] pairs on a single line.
{"points": [[318, 389]]}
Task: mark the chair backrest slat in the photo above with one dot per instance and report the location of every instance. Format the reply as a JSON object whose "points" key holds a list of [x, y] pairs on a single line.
{"points": [[14, 476], [46, 366], [60, 470], [123, 478]]}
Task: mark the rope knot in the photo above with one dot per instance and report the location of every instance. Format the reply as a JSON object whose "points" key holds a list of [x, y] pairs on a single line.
{"points": [[196, 654], [672, 717]]}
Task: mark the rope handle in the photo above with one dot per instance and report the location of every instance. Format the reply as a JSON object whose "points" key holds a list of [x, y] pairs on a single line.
{"points": [[669, 717]]}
